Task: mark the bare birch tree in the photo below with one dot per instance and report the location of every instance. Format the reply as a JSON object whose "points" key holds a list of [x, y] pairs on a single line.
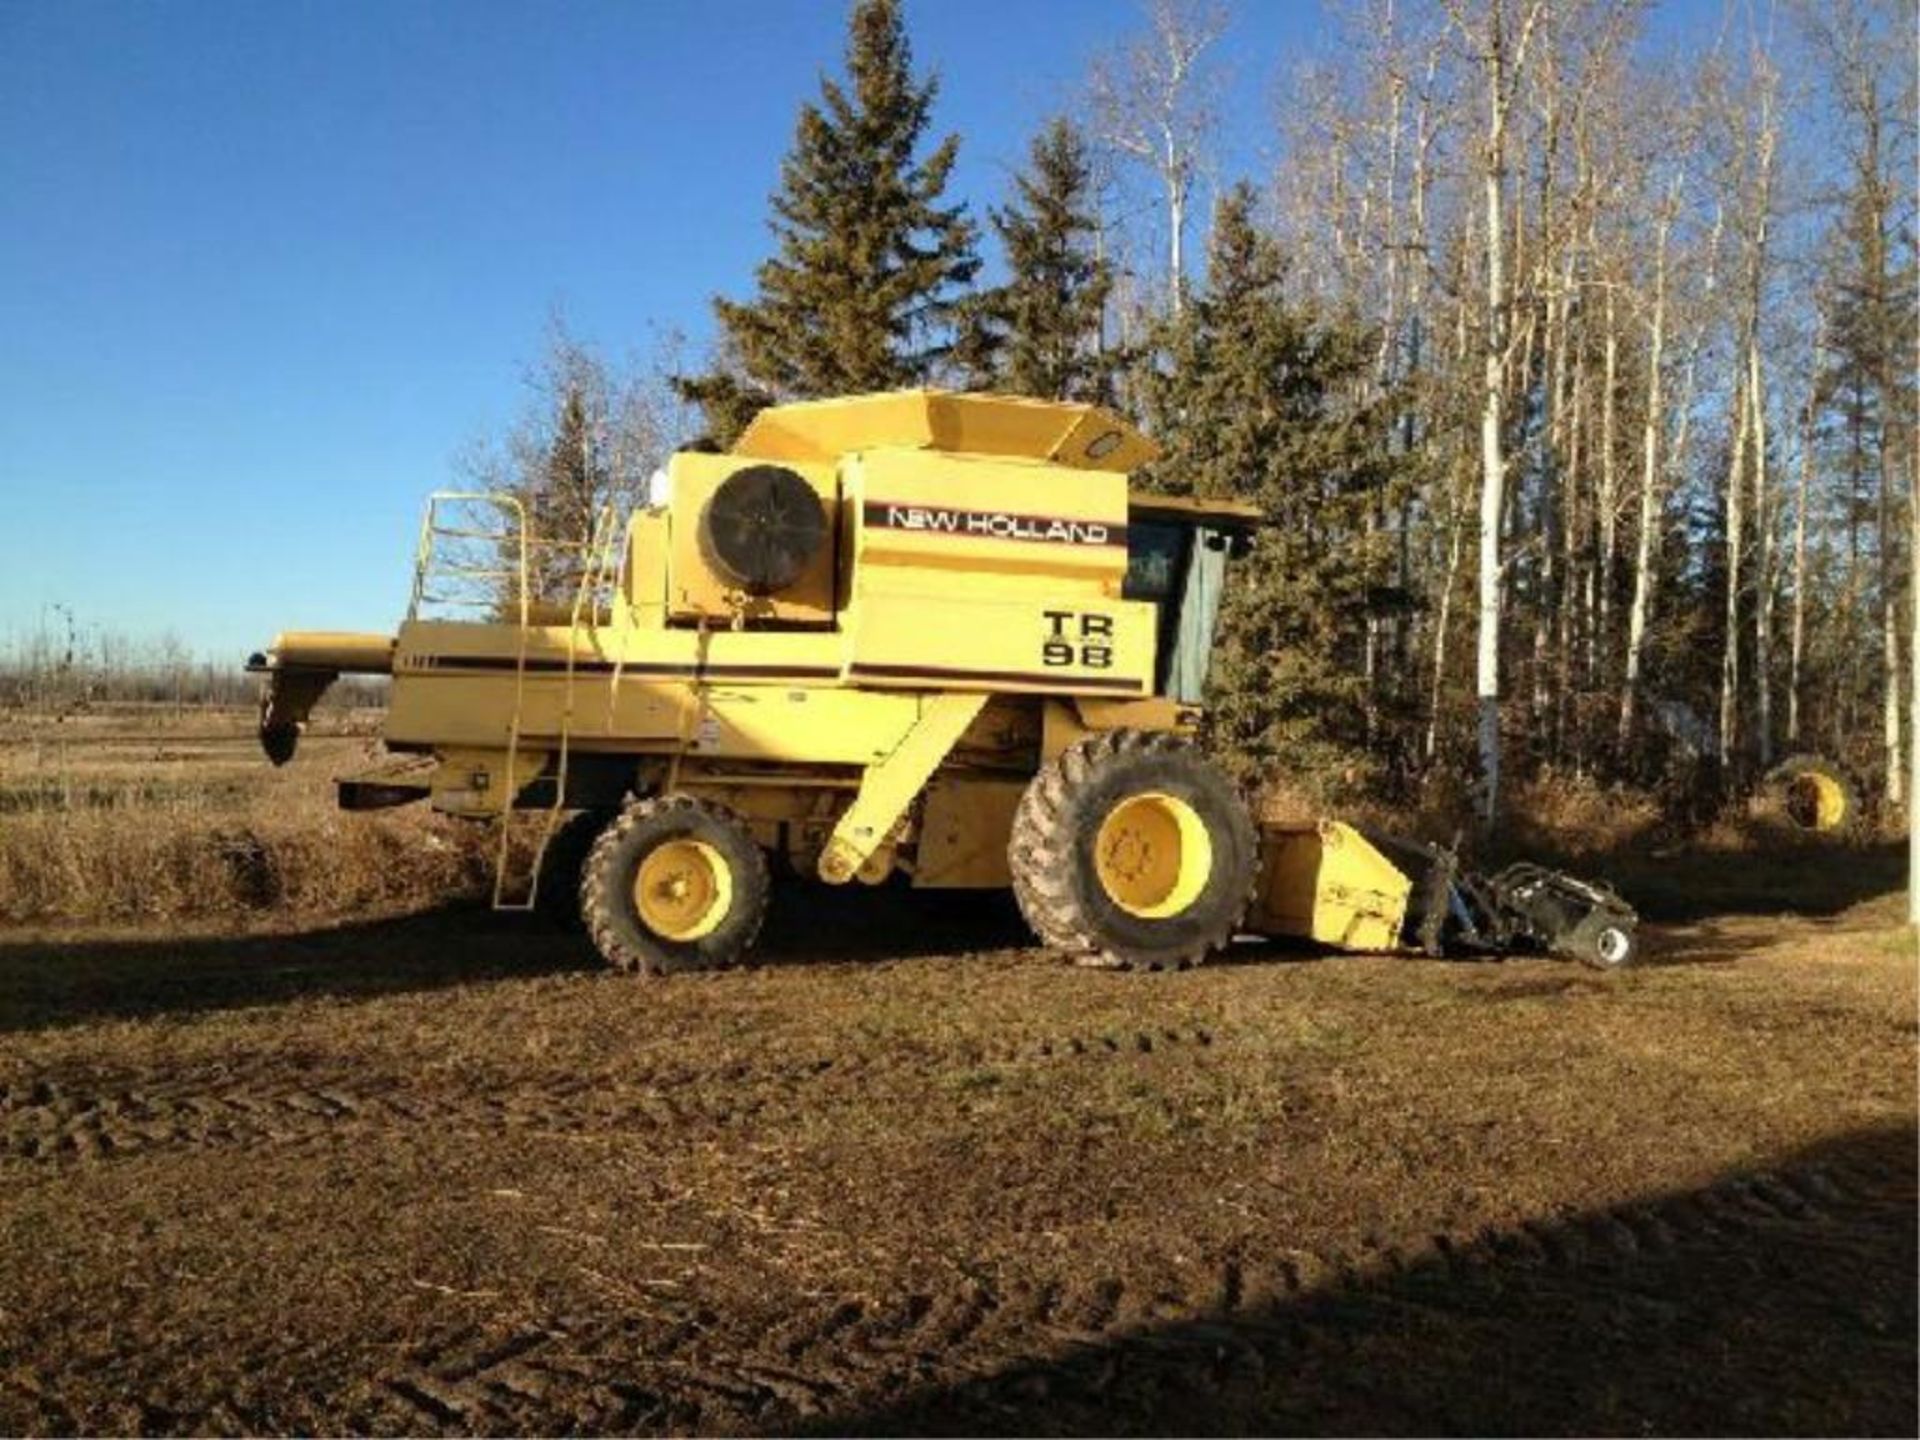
{"points": [[1153, 102], [1499, 34]]}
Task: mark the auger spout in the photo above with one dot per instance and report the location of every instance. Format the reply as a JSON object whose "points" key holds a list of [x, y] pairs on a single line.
{"points": [[299, 666]]}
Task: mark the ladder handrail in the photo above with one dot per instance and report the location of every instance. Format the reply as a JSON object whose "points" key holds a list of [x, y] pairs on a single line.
{"points": [[519, 701], [585, 599]]}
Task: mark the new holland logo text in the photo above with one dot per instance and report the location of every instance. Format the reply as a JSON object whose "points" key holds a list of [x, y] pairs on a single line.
{"points": [[992, 524]]}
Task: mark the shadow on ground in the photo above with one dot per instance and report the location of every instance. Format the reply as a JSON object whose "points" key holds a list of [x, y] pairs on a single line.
{"points": [[61, 981], [1777, 1303], [57, 980]]}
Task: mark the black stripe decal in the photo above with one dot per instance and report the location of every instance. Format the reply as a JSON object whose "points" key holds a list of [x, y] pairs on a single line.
{"points": [[1052, 679], [494, 664], [990, 524]]}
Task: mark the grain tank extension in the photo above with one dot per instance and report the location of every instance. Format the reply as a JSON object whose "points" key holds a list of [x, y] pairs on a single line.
{"points": [[918, 633]]}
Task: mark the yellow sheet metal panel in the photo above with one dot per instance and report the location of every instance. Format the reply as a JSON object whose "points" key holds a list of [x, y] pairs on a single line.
{"points": [[964, 830], [774, 656], [993, 574], [911, 635], [1154, 713], [474, 783], [644, 586], [827, 726], [824, 430], [1084, 437], [980, 518], [741, 694], [892, 784], [1326, 882], [816, 724]]}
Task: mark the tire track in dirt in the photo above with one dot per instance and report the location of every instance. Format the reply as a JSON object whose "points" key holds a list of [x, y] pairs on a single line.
{"points": [[1058, 1338], [973, 1344], [94, 1116], [48, 1122]]}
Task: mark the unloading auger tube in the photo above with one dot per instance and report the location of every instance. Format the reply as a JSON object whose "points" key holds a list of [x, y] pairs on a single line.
{"points": [[299, 667], [916, 635]]}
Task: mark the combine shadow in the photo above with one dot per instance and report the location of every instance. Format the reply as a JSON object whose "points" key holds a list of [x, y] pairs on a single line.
{"points": [[67, 981], [1776, 1303], [810, 922], [59, 981]]}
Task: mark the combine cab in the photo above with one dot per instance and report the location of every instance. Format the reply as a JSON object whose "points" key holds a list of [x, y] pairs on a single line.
{"points": [[915, 633]]}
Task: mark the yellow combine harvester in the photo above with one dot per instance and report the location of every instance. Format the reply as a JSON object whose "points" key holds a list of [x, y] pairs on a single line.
{"points": [[917, 632]]}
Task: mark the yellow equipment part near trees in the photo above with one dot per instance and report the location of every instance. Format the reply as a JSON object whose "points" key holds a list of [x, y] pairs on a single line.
{"points": [[1084, 437], [1325, 881]]}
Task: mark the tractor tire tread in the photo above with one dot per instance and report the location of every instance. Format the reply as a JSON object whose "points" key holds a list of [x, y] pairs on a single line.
{"points": [[598, 900], [1041, 853]]}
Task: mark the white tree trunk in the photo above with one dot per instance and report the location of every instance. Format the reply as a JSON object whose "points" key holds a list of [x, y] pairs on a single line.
{"points": [[1501, 64], [1176, 229], [1736, 512], [1456, 550], [1492, 477], [1651, 494], [1797, 644], [1609, 496], [1763, 562], [1913, 684], [1890, 621]]}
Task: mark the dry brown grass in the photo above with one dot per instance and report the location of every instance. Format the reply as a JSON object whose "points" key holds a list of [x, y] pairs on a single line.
{"points": [[133, 814], [138, 815]]}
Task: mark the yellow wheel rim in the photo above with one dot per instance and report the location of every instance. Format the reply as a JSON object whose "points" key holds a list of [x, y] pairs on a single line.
{"points": [[683, 889], [1816, 801], [1153, 855]]}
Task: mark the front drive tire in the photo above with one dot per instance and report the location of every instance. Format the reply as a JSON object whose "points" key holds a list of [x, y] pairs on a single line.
{"points": [[1131, 851], [674, 884]]}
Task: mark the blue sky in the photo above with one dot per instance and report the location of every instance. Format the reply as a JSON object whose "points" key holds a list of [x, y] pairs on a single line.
{"points": [[266, 267]]}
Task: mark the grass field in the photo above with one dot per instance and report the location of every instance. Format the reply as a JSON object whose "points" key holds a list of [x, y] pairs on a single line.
{"points": [[270, 1165], [148, 814]]}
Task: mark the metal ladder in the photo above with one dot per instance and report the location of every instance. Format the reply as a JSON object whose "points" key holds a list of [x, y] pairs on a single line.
{"points": [[464, 564]]}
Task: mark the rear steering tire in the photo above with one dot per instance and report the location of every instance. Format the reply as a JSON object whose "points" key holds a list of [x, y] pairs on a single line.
{"points": [[1131, 851], [674, 884]]}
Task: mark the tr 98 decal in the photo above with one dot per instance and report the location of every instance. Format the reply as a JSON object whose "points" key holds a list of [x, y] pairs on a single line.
{"points": [[1076, 637]]}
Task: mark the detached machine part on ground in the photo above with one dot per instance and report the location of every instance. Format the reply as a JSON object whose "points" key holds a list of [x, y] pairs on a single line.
{"points": [[914, 633]]}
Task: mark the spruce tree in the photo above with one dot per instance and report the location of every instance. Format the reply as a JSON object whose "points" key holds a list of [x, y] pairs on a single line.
{"points": [[861, 291], [1040, 332], [1254, 398]]}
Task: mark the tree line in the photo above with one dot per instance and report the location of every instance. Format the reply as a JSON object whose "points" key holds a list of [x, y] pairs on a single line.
{"points": [[1576, 374]]}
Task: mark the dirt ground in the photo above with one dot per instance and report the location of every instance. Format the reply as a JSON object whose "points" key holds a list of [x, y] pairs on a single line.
{"points": [[438, 1174]]}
